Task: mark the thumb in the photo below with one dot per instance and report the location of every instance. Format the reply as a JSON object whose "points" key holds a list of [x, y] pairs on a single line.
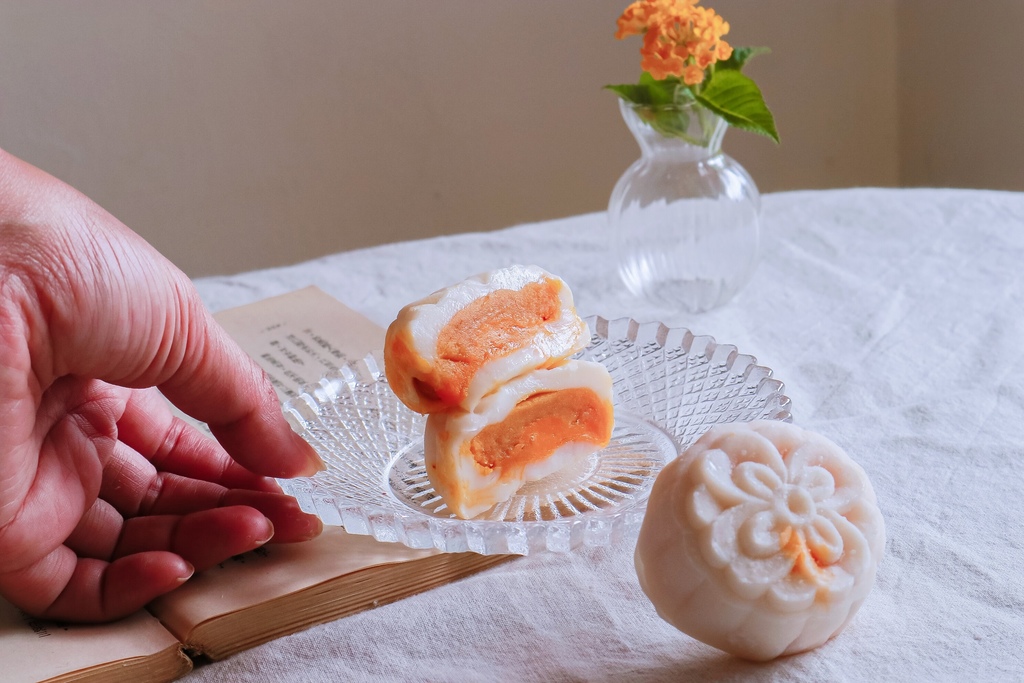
{"points": [[217, 383]]}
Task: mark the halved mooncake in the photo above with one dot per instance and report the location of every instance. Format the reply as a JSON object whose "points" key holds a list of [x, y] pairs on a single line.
{"points": [[450, 349], [525, 430]]}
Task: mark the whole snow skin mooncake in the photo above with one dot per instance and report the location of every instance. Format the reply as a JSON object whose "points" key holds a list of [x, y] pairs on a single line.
{"points": [[761, 539], [450, 349]]}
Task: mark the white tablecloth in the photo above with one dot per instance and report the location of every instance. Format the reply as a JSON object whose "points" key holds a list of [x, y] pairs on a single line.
{"points": [[895, 319]]}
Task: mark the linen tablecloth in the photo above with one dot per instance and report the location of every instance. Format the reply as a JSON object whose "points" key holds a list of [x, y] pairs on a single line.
{"points": [[895, 318]]}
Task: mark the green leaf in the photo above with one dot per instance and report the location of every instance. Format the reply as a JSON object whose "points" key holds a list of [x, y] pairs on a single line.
{"points": [[738, 100], [631, 92], [670, 90], [673, 123], [648, 91], [740, 56]]}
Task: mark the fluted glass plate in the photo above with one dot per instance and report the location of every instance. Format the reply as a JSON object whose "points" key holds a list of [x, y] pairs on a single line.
{"points": [[670, 387]]}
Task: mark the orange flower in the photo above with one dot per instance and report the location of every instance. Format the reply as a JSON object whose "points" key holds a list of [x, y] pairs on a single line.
{"points": [[634, 20], [680, 38], [692, 74]]}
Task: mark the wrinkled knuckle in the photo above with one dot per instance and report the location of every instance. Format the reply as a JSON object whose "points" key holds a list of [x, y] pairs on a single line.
{"points": [[151, 495], [97, 414]]}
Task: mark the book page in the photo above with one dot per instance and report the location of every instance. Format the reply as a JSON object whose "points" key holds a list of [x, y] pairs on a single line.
{"points": [[34, 650], [298, 337], [295, 338]]}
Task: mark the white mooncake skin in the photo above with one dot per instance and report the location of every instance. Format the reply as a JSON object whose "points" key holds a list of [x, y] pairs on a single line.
{"points": [[471, 480], [448, 350], [761, 539]]}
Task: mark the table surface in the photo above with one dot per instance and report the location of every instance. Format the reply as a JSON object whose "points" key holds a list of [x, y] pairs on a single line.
{"points": [[895, 318]]}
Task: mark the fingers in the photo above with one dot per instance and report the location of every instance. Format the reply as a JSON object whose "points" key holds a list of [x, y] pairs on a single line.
{"points": [[169, 494], [172, 445], [204, 539], [152, 556], [112, 567], [63, 587], [134, 487], [99, 591], [180, 496], [291, 524]]}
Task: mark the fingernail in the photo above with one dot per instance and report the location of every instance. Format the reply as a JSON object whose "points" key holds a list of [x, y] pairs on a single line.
{"points": [[190, 571], [317, 527], [268, 534], [315, 464]]}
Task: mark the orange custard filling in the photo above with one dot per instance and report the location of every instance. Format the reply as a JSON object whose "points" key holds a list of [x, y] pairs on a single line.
{"points": [[541, 424], [806, 562], [492, 326]]}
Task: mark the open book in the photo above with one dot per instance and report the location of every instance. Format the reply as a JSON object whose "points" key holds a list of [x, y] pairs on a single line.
{"points": [[262, 595]]}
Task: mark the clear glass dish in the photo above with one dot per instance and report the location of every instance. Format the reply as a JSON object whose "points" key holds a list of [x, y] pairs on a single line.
{"points": [[670, 387]]}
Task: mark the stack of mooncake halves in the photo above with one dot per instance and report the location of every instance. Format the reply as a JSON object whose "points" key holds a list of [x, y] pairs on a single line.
{"points": [[488, 360]]}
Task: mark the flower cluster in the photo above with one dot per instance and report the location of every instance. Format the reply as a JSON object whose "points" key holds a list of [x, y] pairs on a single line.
{"points": [[680, 38], [686, 62]]}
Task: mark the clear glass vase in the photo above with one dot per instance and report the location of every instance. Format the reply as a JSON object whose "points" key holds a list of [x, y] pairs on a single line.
{"points": [[684, 217]]}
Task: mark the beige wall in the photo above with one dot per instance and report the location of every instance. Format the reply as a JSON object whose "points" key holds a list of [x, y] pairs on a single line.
{"points": [[961, 78], [241, 134]]}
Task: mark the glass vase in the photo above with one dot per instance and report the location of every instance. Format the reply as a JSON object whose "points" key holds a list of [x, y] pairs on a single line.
{"points": [[684, 218]]}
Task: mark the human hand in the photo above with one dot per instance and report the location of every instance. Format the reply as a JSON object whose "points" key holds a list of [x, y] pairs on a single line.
{"points": [[106, 499]]}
